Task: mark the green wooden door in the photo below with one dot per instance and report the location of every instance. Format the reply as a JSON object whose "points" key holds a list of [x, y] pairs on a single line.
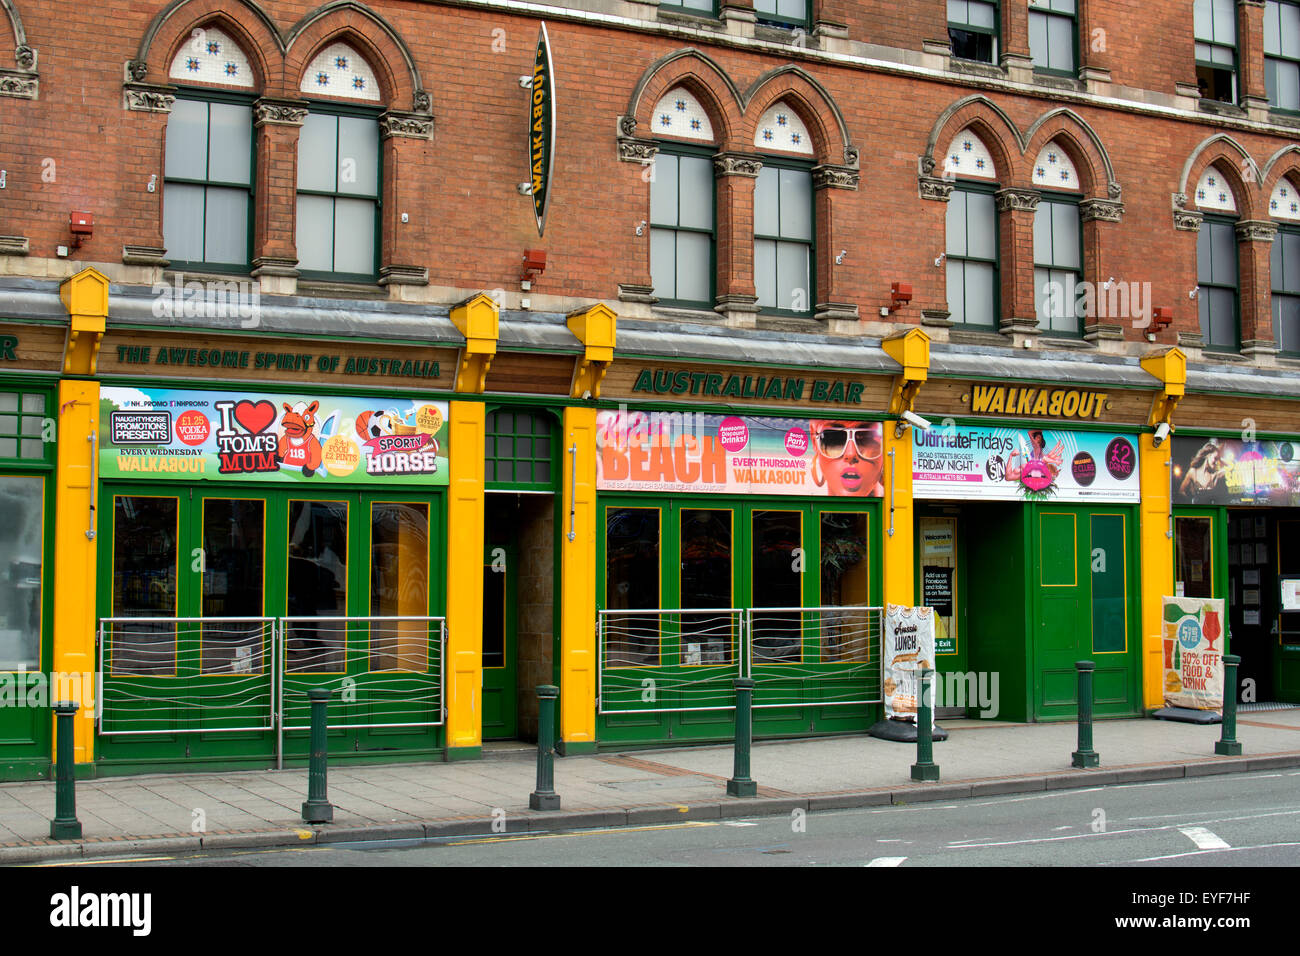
{"points": [[1084, 609], [500, 642]]}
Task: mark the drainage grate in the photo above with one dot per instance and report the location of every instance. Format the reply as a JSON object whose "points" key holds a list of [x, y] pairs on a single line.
{"points": [[1257, 706]]}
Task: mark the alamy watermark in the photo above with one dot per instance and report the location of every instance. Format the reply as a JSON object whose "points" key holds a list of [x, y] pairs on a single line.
{"points": [[1112, 299], [208, 299]]}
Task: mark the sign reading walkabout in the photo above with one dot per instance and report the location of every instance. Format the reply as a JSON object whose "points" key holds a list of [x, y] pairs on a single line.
{"points": [[1229, 471], [909, 649], [1191, 635], [1024, 464], [168, 433], [734, 454], [541, 128]]}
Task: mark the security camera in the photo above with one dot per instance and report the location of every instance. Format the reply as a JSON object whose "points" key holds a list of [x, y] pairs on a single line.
{"points": [[916, 421], [1162, 432]]}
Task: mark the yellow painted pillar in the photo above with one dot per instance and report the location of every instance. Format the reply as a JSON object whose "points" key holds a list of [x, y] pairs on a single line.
{"points": [[1169, 367], [477, 320], [578, 660], [897, 517], [1157, 560], [85, 296], [911, 350], [467, 429]]}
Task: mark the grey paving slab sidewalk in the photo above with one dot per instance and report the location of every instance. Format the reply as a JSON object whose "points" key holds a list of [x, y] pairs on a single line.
{"points": [[259, 808]]}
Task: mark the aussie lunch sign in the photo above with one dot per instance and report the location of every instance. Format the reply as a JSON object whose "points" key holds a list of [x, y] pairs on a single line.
{"points": [[169, 434]]}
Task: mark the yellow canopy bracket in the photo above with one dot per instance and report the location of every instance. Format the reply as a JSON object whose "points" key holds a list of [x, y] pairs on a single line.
{"points": [[478, 319], [1169, 367], [85, 296], [596, 327], [911, 350]]}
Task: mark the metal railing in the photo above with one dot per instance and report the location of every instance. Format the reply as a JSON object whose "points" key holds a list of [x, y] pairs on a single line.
{"points": [[685, 659], [185, 675]]}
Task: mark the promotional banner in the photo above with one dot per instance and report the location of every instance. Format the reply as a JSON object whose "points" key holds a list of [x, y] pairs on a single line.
{"points": [[685, 451], [167, 433], [909, 649], [1024, 464], [1228, 471], [1193, 652]]}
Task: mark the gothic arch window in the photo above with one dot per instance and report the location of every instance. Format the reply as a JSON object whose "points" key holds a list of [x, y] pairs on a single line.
{"points": [[1058, 242], [682, 203], [784, 230], [1217, 262], [971, 233]]}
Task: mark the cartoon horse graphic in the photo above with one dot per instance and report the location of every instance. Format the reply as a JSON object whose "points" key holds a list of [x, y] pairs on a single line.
{"points": [[299, 445]]}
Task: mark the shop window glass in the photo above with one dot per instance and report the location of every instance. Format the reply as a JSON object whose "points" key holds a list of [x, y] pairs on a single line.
{"points": [[1109, 628], [632, 583], [783, 239], [682, 229], [1052, 29], [1285, 268], [706, 582], [1058, 265], [338, 195], [22, 504], [144, 585], [399, 586], [233, 552], [208, 183], [1282, 55], [972, 257], [973, 30], [845, 632], [1215, 23], [1216, 275], [1194, 549], [22, 425], [318, 586], [777, 582]]}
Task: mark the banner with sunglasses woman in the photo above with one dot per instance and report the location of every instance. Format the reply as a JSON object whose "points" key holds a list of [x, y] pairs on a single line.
{"points": [[733, 454]]}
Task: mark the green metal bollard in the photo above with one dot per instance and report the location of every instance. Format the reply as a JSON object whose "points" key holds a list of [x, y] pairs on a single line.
{"points": [[1227, 745], [740, 784], [318, 809], [925, 769], [65, 825], [545, 797], [1085, 756]]}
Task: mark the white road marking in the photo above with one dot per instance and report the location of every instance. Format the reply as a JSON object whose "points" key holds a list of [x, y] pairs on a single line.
{"points": [[1110, 833], [740, 823], [1232, 849], [1204, 839], [887, 861], [1062, 828]]}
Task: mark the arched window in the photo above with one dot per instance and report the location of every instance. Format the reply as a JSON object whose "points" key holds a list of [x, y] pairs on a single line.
{"points": [[1284, 208], [784, 213], [971, 247], [682, 200], [339, 168], [1216, 262], [1058, 243], [208, 173]]}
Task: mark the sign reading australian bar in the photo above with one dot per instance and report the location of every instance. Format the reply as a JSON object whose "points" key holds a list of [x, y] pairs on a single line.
{"points": [[167, 433], [541, 128], [1024, 464]]}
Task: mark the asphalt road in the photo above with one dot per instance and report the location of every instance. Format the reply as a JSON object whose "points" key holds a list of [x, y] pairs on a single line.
{"points": [[1242, 820]]}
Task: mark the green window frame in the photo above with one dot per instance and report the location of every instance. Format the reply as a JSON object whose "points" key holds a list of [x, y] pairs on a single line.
{"points": [[702, 8], [1282, 55], [1054, 36], [1215, 29], [208, 185], [971, 255], [1058, 264], [23, 416], [683, 227], [519, 453], [973, 30], [785, 230], [1285, 270], [1217, 277], [784, 13], [349, 196]]}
